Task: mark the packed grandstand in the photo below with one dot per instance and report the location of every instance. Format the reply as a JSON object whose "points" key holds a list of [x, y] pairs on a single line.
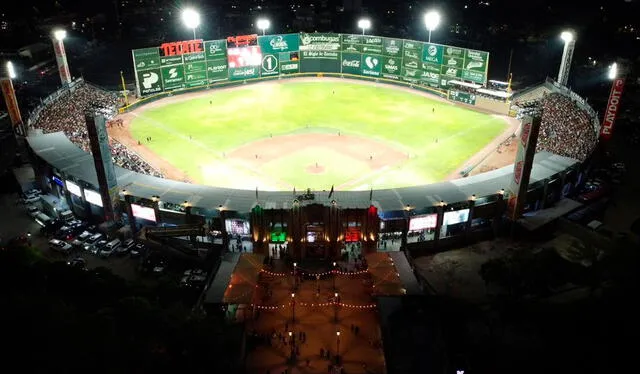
{"points": [[567, 128], [66, 114]]}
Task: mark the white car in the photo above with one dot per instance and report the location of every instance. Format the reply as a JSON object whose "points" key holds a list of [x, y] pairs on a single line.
{"points": [[59, 246]]}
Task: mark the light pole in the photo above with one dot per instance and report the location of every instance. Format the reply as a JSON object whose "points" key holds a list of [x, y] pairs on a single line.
{"points": [[336, 303], [431, 20], [9, 95], [191, 19], [567, 55], [263, 24], [293, 308], [293, 349], [334, 275], [613, 71], [364, 24], [61, 57], [337, 347], [295, 275]]}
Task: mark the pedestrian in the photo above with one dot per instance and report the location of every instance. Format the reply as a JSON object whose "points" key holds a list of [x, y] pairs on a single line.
{"points": [[189, 137], [338, 133], [436, 140], [433, 110], [256, 156], [210, 102], [370, 157]]}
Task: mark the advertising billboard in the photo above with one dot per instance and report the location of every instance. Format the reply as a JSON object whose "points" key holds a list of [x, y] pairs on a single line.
{"points": [[612, 109], [454, 217], [73, 188], [462, 97], [194, 63], [93, 197], [523, 163], [143, 212], [10, 101], [418, 223], [236, 226]]}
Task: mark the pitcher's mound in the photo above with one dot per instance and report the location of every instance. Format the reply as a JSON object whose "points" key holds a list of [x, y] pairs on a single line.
{"points": [[313, 169]]}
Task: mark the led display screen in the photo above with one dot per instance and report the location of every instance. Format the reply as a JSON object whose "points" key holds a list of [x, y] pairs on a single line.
{"points": [[236, 226], [143, 212], [245, 56], [456, 216], [423, 222], [73, 188], [93, 197]]}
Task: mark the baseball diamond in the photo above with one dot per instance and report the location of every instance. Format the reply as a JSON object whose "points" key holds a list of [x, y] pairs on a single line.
{"points": [[310, 133]]}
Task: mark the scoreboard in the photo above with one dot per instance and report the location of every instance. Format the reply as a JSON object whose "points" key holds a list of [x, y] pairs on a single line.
{"points": [[194, 63]]}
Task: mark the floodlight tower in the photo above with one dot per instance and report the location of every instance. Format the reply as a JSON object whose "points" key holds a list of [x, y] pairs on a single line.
{"points": [[191, 19], [567, 55], [364, 24], [431, 20], [9, 95], [58, 37], [263, 24]]}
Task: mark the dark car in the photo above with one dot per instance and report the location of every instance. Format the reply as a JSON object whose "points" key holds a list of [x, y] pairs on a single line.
{"points": [[95, 249], [78, 262], [138, 250], [125, 247]]}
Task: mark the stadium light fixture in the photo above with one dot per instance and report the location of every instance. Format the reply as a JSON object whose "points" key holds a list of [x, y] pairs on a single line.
{"points": [[191, 19], [431, 20], [613, 71], [11, 71], [59, 34], [567, 36], [364, 24], [263, 24]]}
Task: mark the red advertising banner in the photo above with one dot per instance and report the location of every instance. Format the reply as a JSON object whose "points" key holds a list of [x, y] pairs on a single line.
{"points": [[11, 102], [522, 166], [179, 48], [612, 109]]}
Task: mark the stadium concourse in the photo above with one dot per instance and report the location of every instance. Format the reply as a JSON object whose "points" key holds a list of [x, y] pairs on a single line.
{"points": [[66, 114]]}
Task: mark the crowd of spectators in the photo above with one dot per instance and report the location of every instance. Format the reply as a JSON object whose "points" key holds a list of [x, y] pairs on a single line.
{"points": [[67, 114], [566, 129]]}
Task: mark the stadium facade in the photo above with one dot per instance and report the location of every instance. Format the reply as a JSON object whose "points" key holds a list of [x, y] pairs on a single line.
{"points": [[310, 223]]}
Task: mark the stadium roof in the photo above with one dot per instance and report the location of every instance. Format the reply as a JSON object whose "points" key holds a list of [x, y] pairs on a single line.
{"points": [[57, 150]]}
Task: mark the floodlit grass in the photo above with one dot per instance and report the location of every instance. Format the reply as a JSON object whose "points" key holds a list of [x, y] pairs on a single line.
{"points": [[194, 134]]}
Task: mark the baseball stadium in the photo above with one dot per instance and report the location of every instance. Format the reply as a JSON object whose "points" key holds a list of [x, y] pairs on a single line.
{"points": [[312, 140]]}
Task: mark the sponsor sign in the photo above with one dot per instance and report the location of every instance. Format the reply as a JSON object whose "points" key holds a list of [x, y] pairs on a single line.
{"points": [[320, 55], [319, 42], [215, 49], [194, 67], [270, 65], [412, 46], [173, 77], [242, 40], [450, 72], [429, 77], [371, 65], [411, 63], [375, 49], [432, 53], [191, 57], [391, 65], [10, 100], [217, 70], [196, 79], [350, 39], [433, 68], [244, 56], [150, 82], [476, 60], [170, 60], [474, 76], [523, 162], [392, 47], [351, 63], [412, 75], [613, 104], [372, 44], [453, 62], [289, 67], [453, 52], [146, 58], [274, 44], [179, 48], [241, 73]]}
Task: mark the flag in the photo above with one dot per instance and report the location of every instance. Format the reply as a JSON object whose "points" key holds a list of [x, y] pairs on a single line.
{"points": [[331, 192], [371, 195], [256, 193]]}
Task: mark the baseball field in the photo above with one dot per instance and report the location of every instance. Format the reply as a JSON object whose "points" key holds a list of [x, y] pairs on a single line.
{"points": [[311, 134]]}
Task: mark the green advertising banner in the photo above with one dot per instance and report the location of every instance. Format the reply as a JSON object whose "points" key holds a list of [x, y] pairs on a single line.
{"points": [[451, 72], [411, 75], [432, 53], [351, 63], [195, 67], [433, 68], [462, 97], [289, 67], [350, 43], [372, 45], [146, 58], [391, 67], [274, 44], [270, 65], [247, 72], [170, 60], [430, 78], [392, 47], [191, 57], [149, 81], [172, 77], [476, 60], [454, 52], [320, 42], [215, 49], [453, 62], [411, 63], [217, 70], [474, 76], [371, 65], [195, 79]]}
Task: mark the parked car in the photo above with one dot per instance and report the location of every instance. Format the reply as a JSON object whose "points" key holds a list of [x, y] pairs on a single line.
{"points": [[137, 250], [193, 278], [30, 199], [33, 211], [65, 233], [93, 239], [59, 246], [105, 251], [593, 190], [97, 247], [125, 247], [78, 262]]}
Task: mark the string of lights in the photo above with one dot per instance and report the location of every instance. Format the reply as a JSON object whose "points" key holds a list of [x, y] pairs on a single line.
{"points": [[346, 273], [343, 305]]}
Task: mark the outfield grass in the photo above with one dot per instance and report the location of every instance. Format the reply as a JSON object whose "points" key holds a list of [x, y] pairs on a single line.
{"points": [[194, 134]]}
